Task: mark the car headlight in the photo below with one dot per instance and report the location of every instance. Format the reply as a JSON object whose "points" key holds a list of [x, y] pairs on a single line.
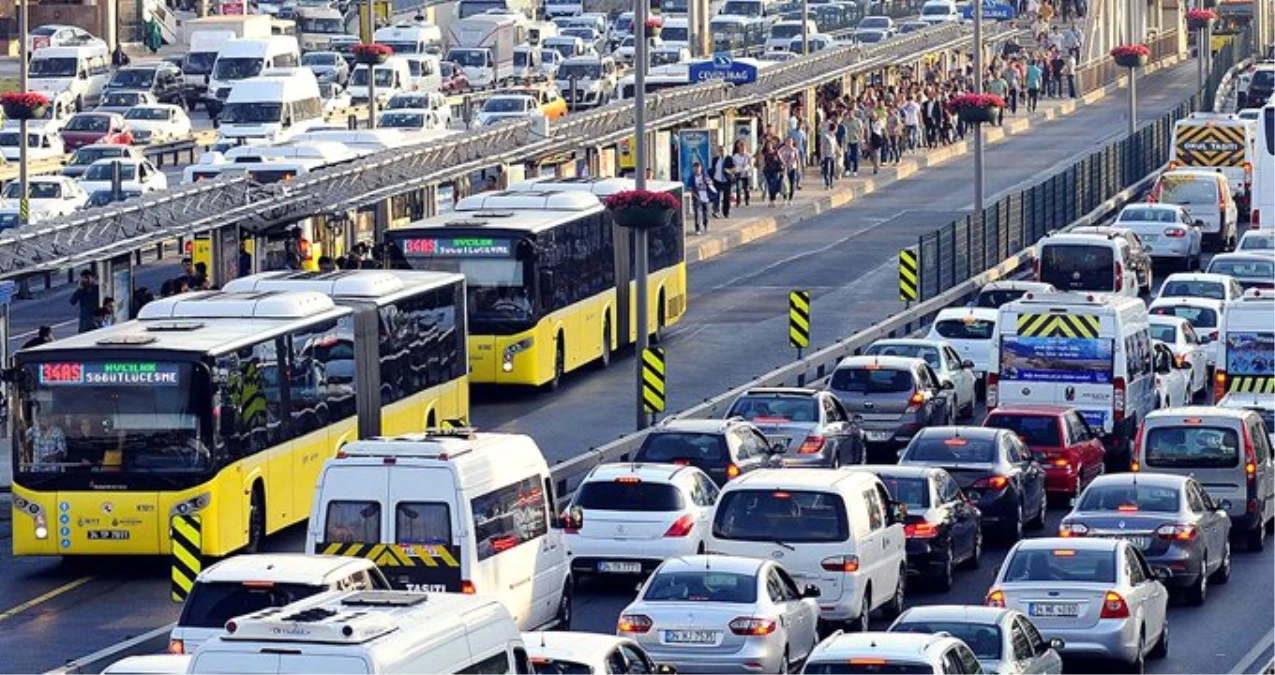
{"points": [[513, 349]]}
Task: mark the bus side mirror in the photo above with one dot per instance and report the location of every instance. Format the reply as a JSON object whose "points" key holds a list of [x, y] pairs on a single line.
{"points": [[229, 418], [546, 281]]}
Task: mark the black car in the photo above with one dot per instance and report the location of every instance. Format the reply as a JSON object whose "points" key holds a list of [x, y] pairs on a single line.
{"points": [[994, 469], [723, 449], [943, 529], [1261, 86], [161, 78]]}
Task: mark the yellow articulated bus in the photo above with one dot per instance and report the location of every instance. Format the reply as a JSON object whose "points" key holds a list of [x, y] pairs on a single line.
{"points": [[549, 277], [220, 405]]}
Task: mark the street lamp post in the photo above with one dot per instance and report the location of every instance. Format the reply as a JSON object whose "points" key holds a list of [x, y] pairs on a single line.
{"points": [[640, 245], [24, 205], [805, 30], [977, 8], [369, 29]]}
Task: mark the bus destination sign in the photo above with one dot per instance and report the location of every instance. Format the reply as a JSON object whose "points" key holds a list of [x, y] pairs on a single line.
{"points": [[474, 247], [123, 374]]}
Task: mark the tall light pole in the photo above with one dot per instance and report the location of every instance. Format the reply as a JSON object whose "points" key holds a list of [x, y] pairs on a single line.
{"points": [[369, 29], [639, 165], [24, 207], [805, 30], [976, 6], [1133, 79]]}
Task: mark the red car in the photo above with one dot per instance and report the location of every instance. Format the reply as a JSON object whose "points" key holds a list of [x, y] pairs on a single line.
{"points": [[87, 128], [1073, 453]]}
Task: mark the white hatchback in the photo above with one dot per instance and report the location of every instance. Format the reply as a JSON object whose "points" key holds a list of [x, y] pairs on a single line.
{"points": [[1205, 315], [971, 331]]}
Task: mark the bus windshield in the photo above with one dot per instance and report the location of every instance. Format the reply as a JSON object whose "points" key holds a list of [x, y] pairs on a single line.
{"points": [[498, 295], [83, 417]]}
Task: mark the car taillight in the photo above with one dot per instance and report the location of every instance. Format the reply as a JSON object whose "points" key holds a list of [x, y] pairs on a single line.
{"points": [[1036, 269], [572, 522], [991, 483], [1114, 607], [1250, 459], [747, 625], [995, 599], [681, 527], [1219, 385], [176, 647], [993, 389], [732, 471], [1137, 447], [1073, 530], [840, 563], [467, 587], [921, 530], [634, 623], [1176, 532], [1174, 233], [1119, 276], [1256, 218], [1117, 399], [917, 400], [812, 445]]}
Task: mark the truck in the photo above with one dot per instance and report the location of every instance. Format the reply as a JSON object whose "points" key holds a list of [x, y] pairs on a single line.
{"points": [[239, 25], [317, 26], [1222, 142], [483, 47], [197, 64]]}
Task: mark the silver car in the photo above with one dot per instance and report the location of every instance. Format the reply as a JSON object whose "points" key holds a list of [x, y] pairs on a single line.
{"points": [[1004, 640], [1099, 596], [813, 426], [723, 614], [1166, 231]]}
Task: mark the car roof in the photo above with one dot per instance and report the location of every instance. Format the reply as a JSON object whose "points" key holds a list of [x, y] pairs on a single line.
{"points": [[1194, 411], [1240, 399], [1033, 408], [1077, 238], [977, 433], [283, 568], [900, 470], [717, 563], [581, 647], [1153, 205], [699, 426], [796, 479], [1152, 479], [1241, 255], [1016, 285], [783, 391], [891, 362], [645, 471], [984, 313], [910, 646], [1187, 301], [910, 342], [961, 613]]}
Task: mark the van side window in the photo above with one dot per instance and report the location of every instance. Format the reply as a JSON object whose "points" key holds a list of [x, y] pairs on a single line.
{"points": [[876, 513], [352, 522], [422, 523], [1193, 500], [522, 662], [1261, 442], [509, 516], [496, 663]]}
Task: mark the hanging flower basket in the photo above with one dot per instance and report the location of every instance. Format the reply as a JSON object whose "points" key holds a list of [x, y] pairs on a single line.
{"points": [[1131, 56], [372, 54], [654, 26], [642, 209], [1200, 19], [27, 106], [976, 108]]}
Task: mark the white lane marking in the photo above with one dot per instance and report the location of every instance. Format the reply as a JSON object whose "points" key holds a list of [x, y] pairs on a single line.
{"points": [[1245, 664]]}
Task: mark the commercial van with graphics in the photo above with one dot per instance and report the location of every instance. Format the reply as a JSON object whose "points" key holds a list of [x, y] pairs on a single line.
{"points": [[1090, 352], [1246, 347], [1218, 141], [451, 511]]}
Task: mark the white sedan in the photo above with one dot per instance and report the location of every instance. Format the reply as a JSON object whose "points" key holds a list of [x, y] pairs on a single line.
{"points": [[947, 364], [135, 174], [1205, 314], [47, 196], [1180, 337], [157, 123], [408, 119], [1257, 241], [1166, 232], [1172, 378], [558, 652], [506, 107], [42, 143]]}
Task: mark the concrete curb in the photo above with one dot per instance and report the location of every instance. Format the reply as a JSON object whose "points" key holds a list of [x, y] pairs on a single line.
{"points": [[759, 227]]}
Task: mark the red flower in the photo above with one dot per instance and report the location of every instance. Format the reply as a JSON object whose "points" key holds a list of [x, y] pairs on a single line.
{"points": [[1130, 50], [366, 50], [654, 22], [30, 100], [976, 101], [641, 198], [1201, 15]]}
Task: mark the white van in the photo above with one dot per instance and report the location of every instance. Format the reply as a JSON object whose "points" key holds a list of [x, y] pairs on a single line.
{"points": [[1090, 352], [468, 512], [392, 77], [273, 108], [83, 71], [423, 71], [274, 161], [318, 25], [370, 632], [197, 65], [411, 38], [240, 59], [1262, 207], [1246, 346], [836, 529], [1206, 195], [1087, 262]]}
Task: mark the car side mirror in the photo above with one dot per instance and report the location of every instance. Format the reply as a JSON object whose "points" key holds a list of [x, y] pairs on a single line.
{"points": [[1162, 573], [1224, 505], [1057, 644], [811, 591], [947, 385], [665, 669], [967, 364], [778, 448]]}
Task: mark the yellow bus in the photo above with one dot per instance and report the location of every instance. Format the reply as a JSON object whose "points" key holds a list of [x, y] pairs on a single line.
{"points": [[222, 405], [549, 277]]}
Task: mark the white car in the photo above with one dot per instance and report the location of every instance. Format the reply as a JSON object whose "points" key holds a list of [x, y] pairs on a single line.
{"points": [[1004, 641], [1172, 378], [59, 35], [1180, 337], [149, 664], [550, 59], [892, 653], [85, 156], [1166, 232], [628, 518], [1098, 595], [49, 196], [122, 100], [42, 143], [559, 652], [157, 123], [1003, 292], [135, 174], [1205, 315], [936, 12], [1264, 404], [1257, 241], [970, 330], [408, 119], [1201, 285], [944, 360], [506, 107]]}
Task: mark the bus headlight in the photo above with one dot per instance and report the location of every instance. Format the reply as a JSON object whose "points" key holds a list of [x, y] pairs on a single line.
{"points": [[41, 527], [512, 350], [197, 503]]}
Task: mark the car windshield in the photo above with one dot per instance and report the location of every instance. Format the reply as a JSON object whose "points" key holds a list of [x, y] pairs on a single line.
{"points": [[52, 67], [468, 58], [521, 58], [912, 351], [133, 78], [870, 36], [384, 77], [402, 120], [1257, 242], [1034, 430], [965, 328], [412, 101], [1263, 78], [983, 638], [1187, 190], [915, 492], [1192, 446], [1078, 267], [1145, 215], [586, 34], [678, 446], [147, 114], [936, 10], [1243, 269], [867, 667], [1073, 565], [580, 71], [35, 190], [231, 68], [211, 605], [785, 30], [100, 123], [775, 409], [736, 8], [993, 299], [791, 516], [10, 139], [322, 26], [1129, 498], [875, 22], [9, 219], [121, 99], [319, 59], [103, 171], [505, 104], [860, 380], [945, 449], [1179, 288], [198, 63], [625, 494], [674, 34], [104, 197], [1200, 317], [251, 113], [702, 586]]}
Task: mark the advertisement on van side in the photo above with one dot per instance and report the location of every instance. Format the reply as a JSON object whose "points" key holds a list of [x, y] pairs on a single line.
{"points": [[1250, 353], [1056, 359]]}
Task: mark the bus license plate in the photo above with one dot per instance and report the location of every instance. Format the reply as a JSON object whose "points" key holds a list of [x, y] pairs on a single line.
{"points": [[620, 567], [113, 535], [1055, 609]]}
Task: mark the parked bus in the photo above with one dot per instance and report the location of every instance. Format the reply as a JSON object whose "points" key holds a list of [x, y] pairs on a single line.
{"points": [[215, 404], [1262, 213], [549, 277]]}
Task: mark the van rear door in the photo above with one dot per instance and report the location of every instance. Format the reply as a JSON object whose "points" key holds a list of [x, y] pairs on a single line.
{"points": [[1059, 358], [423, 522]]}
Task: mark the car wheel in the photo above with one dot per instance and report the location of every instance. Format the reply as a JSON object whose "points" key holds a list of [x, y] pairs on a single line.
{"points": [[563, 617], [1012, 531], [976, 556], [1198, 593], [1038, 521], [1223, 572], [1139, 663], [943, 581], [863, 623], [895, 606], [1257, 539], [1161, 648]]}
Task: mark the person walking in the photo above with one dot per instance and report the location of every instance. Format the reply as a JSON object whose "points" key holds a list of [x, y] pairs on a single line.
{"points": [[997, 86], [721, 175], [1014, 83], [87, 297], [876, 138], [742, 162], [1069, 75], [790, 155], [1073, 40], [932, 113], [828, 151], [893, 135], [772, 171], [911, 111], [701, 188], [1032, 79]]}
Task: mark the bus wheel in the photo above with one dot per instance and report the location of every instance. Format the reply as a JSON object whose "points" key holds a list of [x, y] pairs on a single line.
{"points": [[256, 520], [559, 366], [605, 361], [657, 336]]}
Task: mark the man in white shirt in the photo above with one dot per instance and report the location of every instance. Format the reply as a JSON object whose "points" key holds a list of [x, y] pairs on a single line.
{"points": [[911, 121], [1073, 39]]}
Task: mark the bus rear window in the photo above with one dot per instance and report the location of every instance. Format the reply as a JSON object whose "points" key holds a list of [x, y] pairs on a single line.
{"points": [[1078, 267], [1192, 447], [211, 605]]}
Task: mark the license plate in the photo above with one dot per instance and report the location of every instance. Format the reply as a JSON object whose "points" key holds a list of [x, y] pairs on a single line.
{"points": [[1139, 540], [1148, 237], [878, 436], [115, 535], [691, 637], [1055, 609], [620, 567]]}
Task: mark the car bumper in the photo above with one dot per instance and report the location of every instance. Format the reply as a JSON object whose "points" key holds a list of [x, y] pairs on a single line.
{"points": [[1062, 480], [1185, 563], [1109, 638], [747, 660], [890, 433], [1164, 248], [585, 554], [816, 460], [926, 555], [998, 508]]}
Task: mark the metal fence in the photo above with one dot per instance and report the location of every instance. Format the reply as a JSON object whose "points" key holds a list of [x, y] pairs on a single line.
{"points": [[967, 245]]}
